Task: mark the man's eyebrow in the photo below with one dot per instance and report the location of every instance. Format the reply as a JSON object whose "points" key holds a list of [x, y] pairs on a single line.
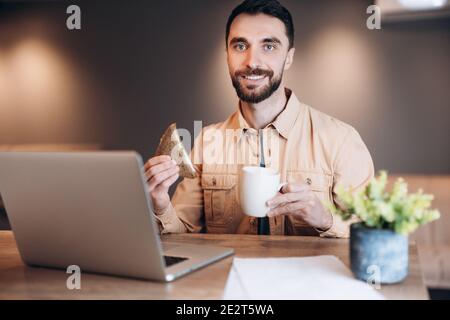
{"points": [[239, 39], [271, 40]]}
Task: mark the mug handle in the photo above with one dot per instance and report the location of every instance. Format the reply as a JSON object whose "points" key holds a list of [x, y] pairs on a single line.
{"points": [[281, 185]]}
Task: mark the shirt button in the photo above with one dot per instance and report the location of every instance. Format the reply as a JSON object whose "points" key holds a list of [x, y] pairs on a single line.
{"points": [[308, 181]]}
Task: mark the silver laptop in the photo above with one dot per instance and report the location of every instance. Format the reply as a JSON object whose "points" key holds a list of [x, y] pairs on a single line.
{"points": [[91, 209]]}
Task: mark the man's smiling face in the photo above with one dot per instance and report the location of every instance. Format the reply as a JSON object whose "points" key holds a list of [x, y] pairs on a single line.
{"points": [[258, 53]]}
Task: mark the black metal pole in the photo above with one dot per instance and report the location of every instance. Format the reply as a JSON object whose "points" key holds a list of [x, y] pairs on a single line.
{"points": [[263, 223], [263, 226]]}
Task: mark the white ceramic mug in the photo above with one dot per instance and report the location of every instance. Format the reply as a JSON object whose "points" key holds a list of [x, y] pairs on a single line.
{"points": [[256, 186]]}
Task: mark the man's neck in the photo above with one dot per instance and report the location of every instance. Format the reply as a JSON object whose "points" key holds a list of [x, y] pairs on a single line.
{"points": [[259, 115]]}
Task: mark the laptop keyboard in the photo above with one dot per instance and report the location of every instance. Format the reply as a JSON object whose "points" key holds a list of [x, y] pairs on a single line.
{"points": [[170, 261]]}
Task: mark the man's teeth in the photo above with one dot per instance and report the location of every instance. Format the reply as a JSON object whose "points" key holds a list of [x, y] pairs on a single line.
{"points": [[254, 77]]}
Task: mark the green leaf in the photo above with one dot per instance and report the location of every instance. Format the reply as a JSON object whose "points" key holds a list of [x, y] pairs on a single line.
{"points": [[397, 210]]}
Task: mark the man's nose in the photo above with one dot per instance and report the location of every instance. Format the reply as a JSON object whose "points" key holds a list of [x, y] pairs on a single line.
{"points": [[253, 59]]}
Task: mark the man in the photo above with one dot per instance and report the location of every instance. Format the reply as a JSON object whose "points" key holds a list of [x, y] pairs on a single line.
{"points": [[313, 152]]}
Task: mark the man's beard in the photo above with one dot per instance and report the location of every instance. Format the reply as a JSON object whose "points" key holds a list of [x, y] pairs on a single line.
{"points": [[261, 94]]}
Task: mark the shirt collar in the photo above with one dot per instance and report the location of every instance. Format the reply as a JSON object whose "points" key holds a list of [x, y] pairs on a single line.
{"points": [[283, 123]]}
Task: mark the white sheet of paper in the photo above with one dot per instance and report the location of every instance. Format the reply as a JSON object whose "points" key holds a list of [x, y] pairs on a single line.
{"points": [[310, 278]]}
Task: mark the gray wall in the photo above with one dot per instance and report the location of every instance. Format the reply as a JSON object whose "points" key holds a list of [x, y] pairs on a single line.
{"points": [[137, 66]]}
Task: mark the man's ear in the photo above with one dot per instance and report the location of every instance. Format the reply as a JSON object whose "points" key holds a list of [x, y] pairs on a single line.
{"points": [[289, 59]]}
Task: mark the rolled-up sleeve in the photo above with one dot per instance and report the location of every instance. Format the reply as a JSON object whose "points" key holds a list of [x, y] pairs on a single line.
{"points": [[353, 168]]}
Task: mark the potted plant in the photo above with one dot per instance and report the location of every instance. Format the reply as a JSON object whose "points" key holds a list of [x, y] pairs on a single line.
{"points": [[379, 238]]}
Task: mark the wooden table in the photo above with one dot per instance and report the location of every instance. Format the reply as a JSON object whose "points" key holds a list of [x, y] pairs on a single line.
{"points": [[18, 281]]}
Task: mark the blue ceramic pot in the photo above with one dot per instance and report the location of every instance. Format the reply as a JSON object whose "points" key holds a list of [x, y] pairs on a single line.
{"points": [[378, 254]]}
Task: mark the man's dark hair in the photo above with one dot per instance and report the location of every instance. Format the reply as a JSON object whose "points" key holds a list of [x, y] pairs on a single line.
{"points": [[270, 7]]}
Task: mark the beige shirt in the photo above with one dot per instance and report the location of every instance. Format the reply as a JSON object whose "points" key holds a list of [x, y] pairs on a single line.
{"points": [[302, 144]]}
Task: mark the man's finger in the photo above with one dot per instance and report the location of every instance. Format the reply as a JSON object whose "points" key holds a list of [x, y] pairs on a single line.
{"points": [[288, 208], [287, 197], [171, 180], [154, 170], [156, 160], [294, 187], [161, 177]]}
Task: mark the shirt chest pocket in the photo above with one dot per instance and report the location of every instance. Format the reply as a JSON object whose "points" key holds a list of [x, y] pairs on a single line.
{"points": [[320, 183], [220, 203]]}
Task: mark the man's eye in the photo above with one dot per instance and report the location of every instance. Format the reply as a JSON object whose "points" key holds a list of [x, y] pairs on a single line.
{"points": [[269, 47], [240, 47]]}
